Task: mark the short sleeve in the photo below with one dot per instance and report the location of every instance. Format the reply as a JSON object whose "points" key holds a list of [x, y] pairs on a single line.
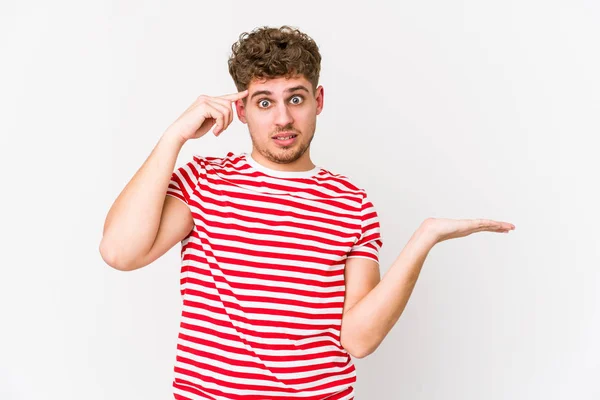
{"points": [[370, 242], [184, 180]]}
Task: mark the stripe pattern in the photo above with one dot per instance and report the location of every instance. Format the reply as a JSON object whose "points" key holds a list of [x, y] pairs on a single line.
{"points": [[262, 279]]}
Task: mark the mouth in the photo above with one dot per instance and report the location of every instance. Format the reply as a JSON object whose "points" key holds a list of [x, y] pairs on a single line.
{"points": [[285, 138]]}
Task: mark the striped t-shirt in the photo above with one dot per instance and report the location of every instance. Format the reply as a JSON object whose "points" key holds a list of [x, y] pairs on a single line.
{"points": [[262, 279]]}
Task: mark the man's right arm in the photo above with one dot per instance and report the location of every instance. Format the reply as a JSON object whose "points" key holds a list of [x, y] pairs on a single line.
{"points": [[143, 223]]}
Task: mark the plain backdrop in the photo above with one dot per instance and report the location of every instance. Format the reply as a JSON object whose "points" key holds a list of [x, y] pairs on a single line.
{"points": [[455, 109]]}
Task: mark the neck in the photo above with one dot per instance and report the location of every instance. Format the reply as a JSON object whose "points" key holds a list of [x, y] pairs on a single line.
{"points": [[304, 163]]}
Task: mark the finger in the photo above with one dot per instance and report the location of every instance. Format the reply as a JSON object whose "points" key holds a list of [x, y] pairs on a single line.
{"points": [[476, 225], [485, 223], [225, 114], [221, 100], [494, 226], [235, 96], [227, 104], [501, 225], [216, 114]]}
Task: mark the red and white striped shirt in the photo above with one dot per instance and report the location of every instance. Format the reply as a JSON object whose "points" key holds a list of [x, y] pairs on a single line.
{"points": [[262, 279]]}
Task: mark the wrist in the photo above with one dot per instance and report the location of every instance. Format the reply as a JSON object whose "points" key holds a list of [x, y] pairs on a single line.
{"points": [[427, 234], [173, 138]]}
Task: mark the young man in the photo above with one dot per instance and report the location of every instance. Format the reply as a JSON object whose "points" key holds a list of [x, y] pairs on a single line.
{"points": [[280, 276]]}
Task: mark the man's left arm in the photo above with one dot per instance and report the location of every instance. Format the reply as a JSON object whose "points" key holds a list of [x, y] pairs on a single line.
{"points": [[372, 306]]}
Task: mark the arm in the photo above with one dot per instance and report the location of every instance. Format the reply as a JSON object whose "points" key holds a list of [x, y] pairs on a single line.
{"points": [[374, 307], [133, 221], [368, 321], [141, 225]]}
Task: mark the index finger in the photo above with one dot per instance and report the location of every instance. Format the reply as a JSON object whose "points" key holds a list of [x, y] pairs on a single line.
{"points": [[235, 96]]}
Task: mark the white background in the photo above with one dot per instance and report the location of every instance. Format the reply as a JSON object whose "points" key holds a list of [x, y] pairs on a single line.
{"points": [[456, 109]]}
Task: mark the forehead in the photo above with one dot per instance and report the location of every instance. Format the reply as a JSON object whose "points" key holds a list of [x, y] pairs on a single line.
{"points": [[277, 85]]}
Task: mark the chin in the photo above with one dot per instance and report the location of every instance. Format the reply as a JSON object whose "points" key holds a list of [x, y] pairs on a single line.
{"points": [[283, 155]]}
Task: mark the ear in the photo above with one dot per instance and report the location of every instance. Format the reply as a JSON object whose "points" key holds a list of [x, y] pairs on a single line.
{"points": [[240, 108], [319, 97]]}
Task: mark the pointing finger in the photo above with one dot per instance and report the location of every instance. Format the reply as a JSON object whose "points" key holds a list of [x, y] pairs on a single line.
{"points": [[235, 96]]}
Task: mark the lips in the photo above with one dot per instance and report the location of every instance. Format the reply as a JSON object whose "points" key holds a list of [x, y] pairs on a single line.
{"points": [[285, 138], [285, 135]]}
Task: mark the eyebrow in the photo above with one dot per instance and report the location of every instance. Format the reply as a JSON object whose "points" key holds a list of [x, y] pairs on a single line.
{"points": [[292, 89]]}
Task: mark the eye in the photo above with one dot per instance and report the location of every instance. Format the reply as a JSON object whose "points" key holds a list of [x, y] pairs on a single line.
{"points": [[262, 103], [299, 98]]}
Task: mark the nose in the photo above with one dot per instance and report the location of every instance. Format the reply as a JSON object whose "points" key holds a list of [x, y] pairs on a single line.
{"points": [[283, 115]]}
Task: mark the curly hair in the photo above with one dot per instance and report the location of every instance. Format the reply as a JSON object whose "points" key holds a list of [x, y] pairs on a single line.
{"points": [[274, 52]]}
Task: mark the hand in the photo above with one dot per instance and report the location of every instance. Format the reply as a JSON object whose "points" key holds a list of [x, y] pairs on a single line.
{"points": [[443, 229], [205, 112]]}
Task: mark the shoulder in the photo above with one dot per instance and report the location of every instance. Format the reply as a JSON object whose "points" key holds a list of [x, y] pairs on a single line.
{"points": [[343, 182], [211, 162]]}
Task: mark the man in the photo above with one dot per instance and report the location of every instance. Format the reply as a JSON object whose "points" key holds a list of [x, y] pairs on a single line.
{"points": [[280, 270]]}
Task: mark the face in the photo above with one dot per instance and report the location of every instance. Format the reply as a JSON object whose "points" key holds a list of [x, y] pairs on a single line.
{"points": [[281, 115]]}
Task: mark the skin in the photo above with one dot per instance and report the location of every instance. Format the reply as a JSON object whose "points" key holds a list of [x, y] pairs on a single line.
{"points": [[372, 305], [290, 105]]}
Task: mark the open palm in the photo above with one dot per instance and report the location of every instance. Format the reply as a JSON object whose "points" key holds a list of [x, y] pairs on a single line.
{"points": [[444, 228]]}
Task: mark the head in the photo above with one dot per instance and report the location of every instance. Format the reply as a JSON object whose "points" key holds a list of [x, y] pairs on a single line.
{"points": [[280, 68]]}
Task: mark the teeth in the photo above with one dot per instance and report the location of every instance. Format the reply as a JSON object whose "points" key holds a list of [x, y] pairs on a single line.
{"points": [[285, 138]]}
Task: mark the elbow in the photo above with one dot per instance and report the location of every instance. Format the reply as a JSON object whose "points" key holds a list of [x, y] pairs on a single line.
{"points": [[359, 353], [111, 259], [358, 350]]}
